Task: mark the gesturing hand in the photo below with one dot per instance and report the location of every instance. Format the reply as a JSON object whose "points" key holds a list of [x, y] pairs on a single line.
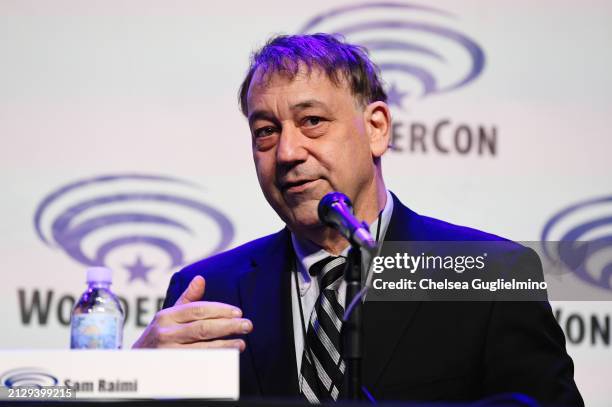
{"points": [[192, 323]]}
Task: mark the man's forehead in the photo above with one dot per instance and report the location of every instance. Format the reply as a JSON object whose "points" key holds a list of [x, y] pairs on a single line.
{"points": [[306, 85], [264, 77]]}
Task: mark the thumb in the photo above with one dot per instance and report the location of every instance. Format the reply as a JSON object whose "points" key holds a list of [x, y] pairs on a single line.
{"points": [[193, 292]]}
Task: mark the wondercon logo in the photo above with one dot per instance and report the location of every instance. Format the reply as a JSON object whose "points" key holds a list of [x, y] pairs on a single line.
{"points": [[580, 237], [416, 47], [139, 223], [28, 377]]}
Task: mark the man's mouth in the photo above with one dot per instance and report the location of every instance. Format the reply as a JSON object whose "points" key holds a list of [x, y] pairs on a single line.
{"points": [[298, 186]]}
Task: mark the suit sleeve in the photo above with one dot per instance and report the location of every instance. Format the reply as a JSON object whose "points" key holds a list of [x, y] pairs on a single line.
{"points": [[526, 353]]}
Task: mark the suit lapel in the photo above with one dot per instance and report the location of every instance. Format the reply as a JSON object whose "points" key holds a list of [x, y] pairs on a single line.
{"points": [[265, 295], [385, 322], [265, 292]]}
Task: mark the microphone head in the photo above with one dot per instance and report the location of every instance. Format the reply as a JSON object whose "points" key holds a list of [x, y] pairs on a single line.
{"points": [[325, 205]]}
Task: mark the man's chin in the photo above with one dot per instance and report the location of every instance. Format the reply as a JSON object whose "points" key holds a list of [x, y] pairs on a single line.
{"points": [[306, 223], [304, 218]]}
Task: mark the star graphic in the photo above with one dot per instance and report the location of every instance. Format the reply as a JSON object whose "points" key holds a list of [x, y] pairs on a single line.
{"points": [[138, 270], [395, 96]]}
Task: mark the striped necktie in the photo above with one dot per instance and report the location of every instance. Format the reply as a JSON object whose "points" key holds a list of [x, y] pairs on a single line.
{"points": [[322, 371]]}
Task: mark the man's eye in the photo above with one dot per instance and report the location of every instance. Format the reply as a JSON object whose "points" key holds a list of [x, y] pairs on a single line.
{"points": [[264, 131], [312, 120]]}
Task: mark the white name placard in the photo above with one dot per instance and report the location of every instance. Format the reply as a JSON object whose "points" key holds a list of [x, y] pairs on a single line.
{"points": [[126, 374]]}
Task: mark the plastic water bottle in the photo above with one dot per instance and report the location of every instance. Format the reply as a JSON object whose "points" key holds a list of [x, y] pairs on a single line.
{"points": [[97, 318]]}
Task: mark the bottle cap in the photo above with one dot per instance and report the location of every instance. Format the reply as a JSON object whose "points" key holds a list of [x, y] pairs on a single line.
{"points": [[99, 275]]}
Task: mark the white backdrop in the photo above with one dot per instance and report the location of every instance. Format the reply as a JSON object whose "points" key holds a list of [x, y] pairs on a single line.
{"points": [[115, 88]]}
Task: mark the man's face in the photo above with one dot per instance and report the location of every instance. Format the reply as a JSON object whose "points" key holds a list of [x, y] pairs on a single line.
{"points": [[308, 138]]}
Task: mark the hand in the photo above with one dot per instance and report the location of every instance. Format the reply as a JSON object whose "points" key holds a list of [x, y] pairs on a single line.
{"points": [[191, 323]]}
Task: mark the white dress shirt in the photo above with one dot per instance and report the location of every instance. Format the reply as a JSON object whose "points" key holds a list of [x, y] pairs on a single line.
{"points": [[307, 254]]}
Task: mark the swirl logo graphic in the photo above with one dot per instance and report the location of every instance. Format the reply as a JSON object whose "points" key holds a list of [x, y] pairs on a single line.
{"points": [[415, 47], [28, 377], [584, 235], [132, 221]]}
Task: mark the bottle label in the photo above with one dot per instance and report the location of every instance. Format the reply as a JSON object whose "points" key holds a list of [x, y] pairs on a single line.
{"points": [[95, 331]]}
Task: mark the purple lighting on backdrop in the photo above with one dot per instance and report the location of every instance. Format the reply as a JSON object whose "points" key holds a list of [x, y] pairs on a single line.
{"points": [[576, 253], [390, 32], [71, 227]]}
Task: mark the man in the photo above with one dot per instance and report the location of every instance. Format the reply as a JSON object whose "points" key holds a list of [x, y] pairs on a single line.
{"points": [[319, 123]]}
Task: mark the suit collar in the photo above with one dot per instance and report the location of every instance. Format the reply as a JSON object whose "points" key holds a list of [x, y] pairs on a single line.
{"points": [[405, 224]]}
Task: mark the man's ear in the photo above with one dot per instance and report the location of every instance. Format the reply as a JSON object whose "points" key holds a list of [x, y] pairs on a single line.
{"points": [[377, 119]]}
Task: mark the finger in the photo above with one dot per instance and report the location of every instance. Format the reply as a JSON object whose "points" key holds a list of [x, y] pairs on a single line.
{"points": [[198, 310], [210, 329], [216, 344], [193, 292]]}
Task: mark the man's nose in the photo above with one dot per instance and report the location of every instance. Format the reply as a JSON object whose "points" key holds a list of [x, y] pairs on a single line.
{"points": [[291, 148]]}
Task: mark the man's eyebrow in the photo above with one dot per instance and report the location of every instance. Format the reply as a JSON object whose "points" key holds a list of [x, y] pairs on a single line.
{"points": [[308, 103], [261, 115], [265, 115]]}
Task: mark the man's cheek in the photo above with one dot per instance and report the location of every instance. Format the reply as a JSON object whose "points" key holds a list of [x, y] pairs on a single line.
{"points": [[264, 172]]}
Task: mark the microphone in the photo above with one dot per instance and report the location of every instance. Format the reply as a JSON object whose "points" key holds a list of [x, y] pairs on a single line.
{"points": [[336, 210]]}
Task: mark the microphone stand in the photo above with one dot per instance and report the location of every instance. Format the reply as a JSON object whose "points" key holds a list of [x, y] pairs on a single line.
{"points": [[336, 210], [352, 349]]}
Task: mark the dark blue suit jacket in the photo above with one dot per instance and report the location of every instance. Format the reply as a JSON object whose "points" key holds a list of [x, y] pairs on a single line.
{"points": [[412, 350]]}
